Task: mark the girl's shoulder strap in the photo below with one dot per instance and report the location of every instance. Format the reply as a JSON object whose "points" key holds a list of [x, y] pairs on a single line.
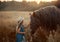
{"points": [[22, 28]]}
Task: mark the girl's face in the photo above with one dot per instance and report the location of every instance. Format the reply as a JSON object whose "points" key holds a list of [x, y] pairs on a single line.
{"points": [[22, 22]]}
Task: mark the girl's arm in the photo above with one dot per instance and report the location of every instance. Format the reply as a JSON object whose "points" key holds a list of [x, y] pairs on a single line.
{"points": [[18, 31]]}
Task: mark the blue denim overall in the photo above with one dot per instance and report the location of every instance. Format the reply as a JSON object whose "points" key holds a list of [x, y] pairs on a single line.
{"points": [[19, 37]]}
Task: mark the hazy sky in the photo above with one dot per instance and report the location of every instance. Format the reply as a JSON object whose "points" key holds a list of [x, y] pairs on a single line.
{"points": [[30, 0]]}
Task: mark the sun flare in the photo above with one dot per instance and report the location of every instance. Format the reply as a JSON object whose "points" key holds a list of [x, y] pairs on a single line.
{"points": [[40, 0]]}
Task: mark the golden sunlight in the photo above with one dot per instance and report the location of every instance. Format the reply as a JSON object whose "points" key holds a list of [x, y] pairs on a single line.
{"points": [[30, 0], [18, 0], [41, 0]]}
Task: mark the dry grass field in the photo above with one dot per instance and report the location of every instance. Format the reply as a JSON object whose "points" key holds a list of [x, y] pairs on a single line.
{"points": [[8, 22]]}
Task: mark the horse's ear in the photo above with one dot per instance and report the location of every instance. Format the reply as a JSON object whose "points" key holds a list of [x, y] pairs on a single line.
{"points": [[34, 14]]}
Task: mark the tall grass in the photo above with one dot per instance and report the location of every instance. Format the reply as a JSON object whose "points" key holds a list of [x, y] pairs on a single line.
{"points": [[8, 22]]}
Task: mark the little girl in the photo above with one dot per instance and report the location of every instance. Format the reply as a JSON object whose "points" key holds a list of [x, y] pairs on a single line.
{"points": [[20, 30]]}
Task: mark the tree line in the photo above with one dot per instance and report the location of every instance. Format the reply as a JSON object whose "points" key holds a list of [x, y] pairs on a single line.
{"points": [[23, 6]]}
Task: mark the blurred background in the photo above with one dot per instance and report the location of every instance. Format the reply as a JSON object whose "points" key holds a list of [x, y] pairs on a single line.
{"points": [[10, 10], [26, 5]]}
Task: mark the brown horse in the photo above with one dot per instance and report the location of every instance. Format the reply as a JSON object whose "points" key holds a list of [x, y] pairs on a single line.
{"points": [[47, 18]]}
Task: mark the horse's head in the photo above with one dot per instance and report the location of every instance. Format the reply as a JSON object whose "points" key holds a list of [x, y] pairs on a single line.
{"points": [[34, 23]]}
